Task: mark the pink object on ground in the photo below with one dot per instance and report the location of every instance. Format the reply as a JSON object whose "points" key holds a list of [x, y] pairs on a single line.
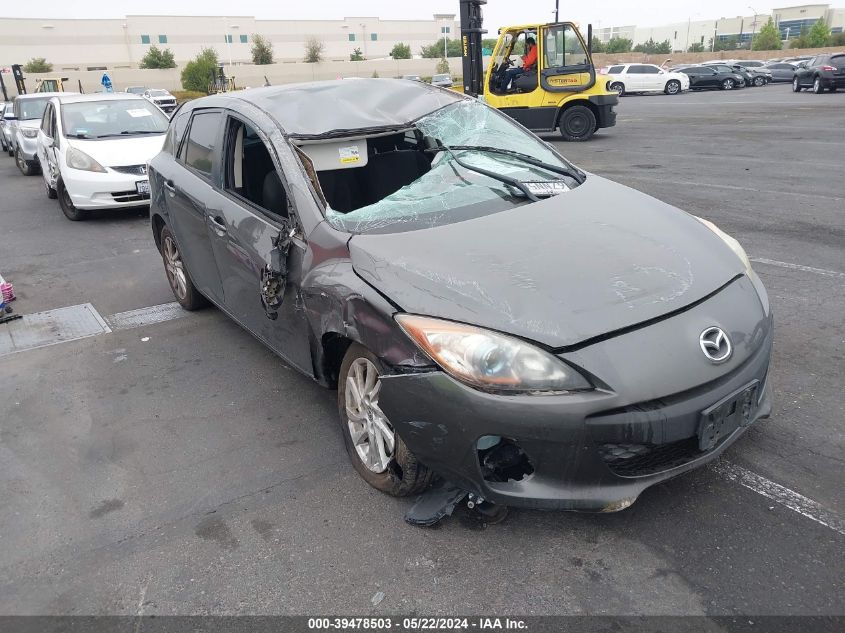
{"points": [[8, 291]]}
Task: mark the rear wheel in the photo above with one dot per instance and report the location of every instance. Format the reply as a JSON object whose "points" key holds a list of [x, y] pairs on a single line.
{"points": [[177, 275], [618, 87], [377, 452], [673, 87], [577, 123], [68, 208], [818, 88], [728, 84]]}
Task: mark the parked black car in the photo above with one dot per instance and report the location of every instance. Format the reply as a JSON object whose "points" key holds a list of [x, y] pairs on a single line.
{"points": [[536, 335], [705, 77], [823, 72], [747, 76], [782, 71]]}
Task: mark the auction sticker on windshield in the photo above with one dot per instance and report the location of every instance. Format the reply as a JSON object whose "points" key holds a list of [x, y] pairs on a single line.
{"points": [[349, 154], [139, 112]]}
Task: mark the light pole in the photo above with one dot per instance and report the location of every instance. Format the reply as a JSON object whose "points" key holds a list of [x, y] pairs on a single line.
{"points": [[753, 28], [557, 9]]}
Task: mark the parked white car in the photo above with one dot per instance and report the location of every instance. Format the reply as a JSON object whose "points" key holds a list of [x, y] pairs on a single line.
{"points": [[94, 150], [162, 98], [625, 78]]}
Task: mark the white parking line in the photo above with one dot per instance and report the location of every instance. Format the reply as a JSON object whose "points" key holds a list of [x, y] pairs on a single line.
{"points": [[780, 494], [806, 269]]}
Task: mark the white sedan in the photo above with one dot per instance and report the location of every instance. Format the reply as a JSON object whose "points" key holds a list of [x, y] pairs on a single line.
{"points": [[94, 149], [626, 78]]}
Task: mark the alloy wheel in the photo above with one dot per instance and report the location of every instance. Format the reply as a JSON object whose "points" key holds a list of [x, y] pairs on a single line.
{"points": [[673, 87], [175, 268], [371, 432], [20, 161], [728, 84], [817, 85]]}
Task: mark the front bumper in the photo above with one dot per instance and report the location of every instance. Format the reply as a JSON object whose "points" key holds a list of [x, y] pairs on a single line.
{"points": [[589, 451], [97, 190], [28, 147], [605, 105]]}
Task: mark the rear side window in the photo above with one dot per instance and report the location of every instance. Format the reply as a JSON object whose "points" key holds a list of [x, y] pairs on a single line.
{"points": [[201, 151]]}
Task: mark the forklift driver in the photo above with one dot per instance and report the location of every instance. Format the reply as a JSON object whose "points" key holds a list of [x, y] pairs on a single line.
{"points": [[529, 60]]}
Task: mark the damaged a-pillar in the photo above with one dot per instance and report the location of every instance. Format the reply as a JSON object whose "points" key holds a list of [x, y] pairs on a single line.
{"points": [[275, 272]]}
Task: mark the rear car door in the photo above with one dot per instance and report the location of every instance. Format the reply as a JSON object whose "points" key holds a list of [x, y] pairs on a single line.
{"points": [[257, 244], [189, 188]]}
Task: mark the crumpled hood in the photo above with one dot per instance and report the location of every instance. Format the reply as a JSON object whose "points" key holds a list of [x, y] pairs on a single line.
{"points": [[119, 152], [560, 271]]}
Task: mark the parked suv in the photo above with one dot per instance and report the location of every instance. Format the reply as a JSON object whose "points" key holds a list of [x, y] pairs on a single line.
{"points": [[162, 98], [826, 71], [645, 78], [28, 112]]}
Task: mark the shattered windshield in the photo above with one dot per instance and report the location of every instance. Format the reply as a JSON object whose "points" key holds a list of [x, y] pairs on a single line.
{"points": [[448, 189]]}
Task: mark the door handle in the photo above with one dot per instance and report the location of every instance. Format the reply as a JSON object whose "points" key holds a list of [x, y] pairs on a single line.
{"points": [[168, 184], [218, 224]]}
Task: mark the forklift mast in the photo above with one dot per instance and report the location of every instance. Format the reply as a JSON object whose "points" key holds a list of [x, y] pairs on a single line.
{"points": [[471, 32], [20, 84]]}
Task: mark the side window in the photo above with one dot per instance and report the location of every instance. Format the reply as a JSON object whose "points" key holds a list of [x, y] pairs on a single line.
{"points": [[45, 120], [249, 171], [615, 70], [649, 70], [635, 69], [200, 152], [564, 47], [176, 132]]}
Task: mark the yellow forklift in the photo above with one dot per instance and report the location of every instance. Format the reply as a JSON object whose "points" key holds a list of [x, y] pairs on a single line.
{"points": [[560, 90]]}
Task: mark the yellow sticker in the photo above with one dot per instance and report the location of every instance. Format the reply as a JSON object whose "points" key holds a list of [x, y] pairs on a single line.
{"points": [[349, 154]]}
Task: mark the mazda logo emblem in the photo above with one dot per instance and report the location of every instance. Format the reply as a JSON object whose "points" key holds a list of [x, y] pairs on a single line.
{"points": [[715, 344]]}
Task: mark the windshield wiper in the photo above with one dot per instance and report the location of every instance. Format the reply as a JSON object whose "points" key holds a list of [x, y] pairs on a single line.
{"points": [[132, 133], [564, 171], [513, 182]]}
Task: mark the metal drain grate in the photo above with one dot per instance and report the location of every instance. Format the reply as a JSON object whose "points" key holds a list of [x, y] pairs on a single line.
{"points": [[53, 326]]}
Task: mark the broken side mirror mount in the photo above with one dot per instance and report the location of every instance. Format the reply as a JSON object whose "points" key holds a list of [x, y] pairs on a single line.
{"points": [[275, 272]]}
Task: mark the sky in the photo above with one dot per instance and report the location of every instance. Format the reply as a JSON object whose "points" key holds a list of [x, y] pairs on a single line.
{"points": [[496, 13]]}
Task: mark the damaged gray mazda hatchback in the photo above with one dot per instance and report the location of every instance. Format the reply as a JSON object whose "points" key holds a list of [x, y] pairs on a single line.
{"points": [[531, 333]]}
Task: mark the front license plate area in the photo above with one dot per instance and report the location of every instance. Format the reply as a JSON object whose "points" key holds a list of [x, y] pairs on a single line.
{"points": [[143, 187], [726, 416]]}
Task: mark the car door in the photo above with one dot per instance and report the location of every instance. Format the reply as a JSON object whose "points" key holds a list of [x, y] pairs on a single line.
{"points": [[257, 244], [189, 186], [49, 140], [651, 78], [634, 78], [805, 72]]}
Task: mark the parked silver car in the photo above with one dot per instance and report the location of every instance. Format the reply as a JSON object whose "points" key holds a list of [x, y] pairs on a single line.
{"points": [[443, 80], [7, 115], [781, 71]]}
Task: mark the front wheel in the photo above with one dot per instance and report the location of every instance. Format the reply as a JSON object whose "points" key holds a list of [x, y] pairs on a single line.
{"points": [[26, 167], [728, 84], [68, 208], [618, 87], [759, 81], [796, 86], [577, 123], [377, 452], [673, 87]]}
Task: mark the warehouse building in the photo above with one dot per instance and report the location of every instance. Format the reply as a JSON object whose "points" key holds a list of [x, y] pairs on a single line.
{"points": [[121, 43]]}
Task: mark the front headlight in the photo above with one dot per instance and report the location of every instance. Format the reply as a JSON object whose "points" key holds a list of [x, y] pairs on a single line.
{"points": [[490, 361], [80, 160], [29, 132]]}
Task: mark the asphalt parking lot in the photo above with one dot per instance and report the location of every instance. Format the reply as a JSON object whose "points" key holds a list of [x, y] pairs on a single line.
{"points": [[179, 467]]}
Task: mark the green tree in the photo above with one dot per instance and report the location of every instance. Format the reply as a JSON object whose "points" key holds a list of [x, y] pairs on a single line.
{"points": [[489, 43], [38, 65], [196, 75], [696, 47], [400, 51], [650, 46], [356, 55], [836, 39], [802, 41], [157, 58], [262, 50], [818, 35], [619, 45], [728, 44], [768, 39], [313, 50], [443, 67], [435, 49], [598, 45]]}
